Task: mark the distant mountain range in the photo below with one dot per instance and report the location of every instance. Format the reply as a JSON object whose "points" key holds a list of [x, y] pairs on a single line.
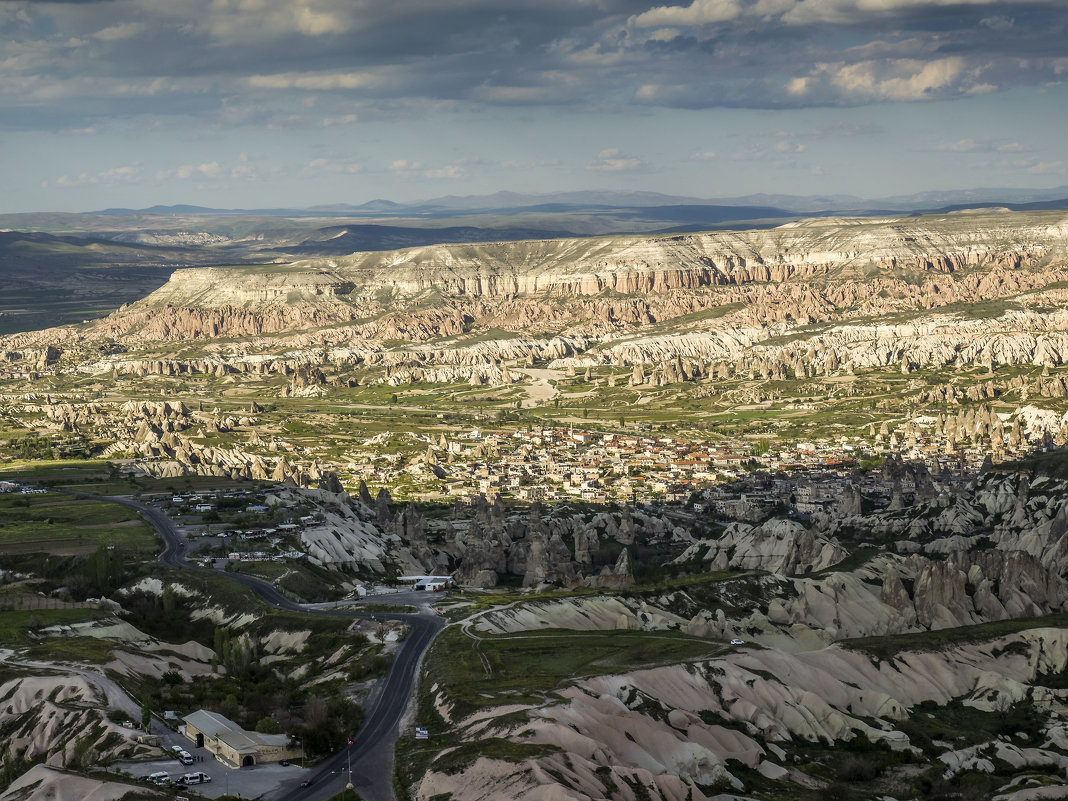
{"points": [[728, 208]]}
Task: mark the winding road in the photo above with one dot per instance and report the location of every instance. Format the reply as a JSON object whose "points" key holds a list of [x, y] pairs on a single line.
{"points": [[370, 757]]}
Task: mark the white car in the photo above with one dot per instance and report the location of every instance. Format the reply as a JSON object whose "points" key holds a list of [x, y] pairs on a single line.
{"points": [[736, 641]]}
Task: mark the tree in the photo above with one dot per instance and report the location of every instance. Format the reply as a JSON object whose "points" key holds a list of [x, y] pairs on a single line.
{"points": [[169, 599], [172, 677], [105, 569], [146, 717], [268, 725], [231, 706]]}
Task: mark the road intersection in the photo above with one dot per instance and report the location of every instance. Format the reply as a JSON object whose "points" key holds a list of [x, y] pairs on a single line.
{"points": [[368, 759]]}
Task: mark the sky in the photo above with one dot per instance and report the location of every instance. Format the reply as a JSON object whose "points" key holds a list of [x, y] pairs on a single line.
{"points": [[293, 103]]}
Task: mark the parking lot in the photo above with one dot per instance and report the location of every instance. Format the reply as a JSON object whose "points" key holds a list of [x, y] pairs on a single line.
{"points": [[251, 782]]}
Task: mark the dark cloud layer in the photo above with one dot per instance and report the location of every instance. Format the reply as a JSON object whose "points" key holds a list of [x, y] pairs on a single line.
{"points": [[71, 63], [229, 102]]}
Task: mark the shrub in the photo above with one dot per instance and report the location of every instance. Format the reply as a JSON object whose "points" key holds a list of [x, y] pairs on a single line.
{"points": [[857, 769]]}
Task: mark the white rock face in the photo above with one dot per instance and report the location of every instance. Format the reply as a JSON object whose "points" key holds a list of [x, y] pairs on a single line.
{"points": [[49, 708], [633, 264], [44, 783], [663, 725], [343, 538], [581, 614], [777, 546]]}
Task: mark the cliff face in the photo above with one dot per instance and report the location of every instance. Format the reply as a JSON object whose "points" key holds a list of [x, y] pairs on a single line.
{"points": [[740, 297], [815, 250], [808, 272]]}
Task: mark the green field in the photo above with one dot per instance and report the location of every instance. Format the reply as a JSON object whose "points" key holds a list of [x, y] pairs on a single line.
{"points": [[526, 667], [887, 647], [15, 625], [57, 523]]}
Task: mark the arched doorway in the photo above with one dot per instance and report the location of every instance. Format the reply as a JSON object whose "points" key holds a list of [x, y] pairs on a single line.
{"points": [[248, 761]]}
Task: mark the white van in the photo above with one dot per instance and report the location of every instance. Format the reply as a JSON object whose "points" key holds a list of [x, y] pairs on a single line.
{"points": [[185, 757], [200, 777], [159, 777]]}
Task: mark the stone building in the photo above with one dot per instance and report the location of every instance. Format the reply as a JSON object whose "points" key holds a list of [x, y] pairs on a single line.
{"points": [[232, 745]]}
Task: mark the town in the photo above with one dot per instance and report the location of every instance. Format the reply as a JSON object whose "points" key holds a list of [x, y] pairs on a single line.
{"points": [[553, 464]]}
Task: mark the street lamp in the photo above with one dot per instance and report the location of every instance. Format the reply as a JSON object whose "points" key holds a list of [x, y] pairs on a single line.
{"points": [[348, 762]]}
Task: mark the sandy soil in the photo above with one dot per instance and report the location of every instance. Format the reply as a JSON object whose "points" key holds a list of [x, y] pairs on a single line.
{"points": [[542, 390]]}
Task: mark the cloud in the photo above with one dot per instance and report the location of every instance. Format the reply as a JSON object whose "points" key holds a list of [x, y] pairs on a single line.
{"points": [[334, 165], [127, 173], [448, 171], [983, 145], [751, 152], [513, 94], [998, 23], [254, 63], [664, 35], [210, 169], [815, 12], [344, 119], [844, 129], [802, 12], [1047, 168], [615, 160], [410, 168], [316, 81], [900, 80], [704, 155], [700, 12], [229, 20], [125, 30], [775, 149]]}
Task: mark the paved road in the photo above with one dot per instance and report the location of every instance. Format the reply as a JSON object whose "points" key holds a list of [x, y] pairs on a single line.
{"points": [[370, 758]]}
